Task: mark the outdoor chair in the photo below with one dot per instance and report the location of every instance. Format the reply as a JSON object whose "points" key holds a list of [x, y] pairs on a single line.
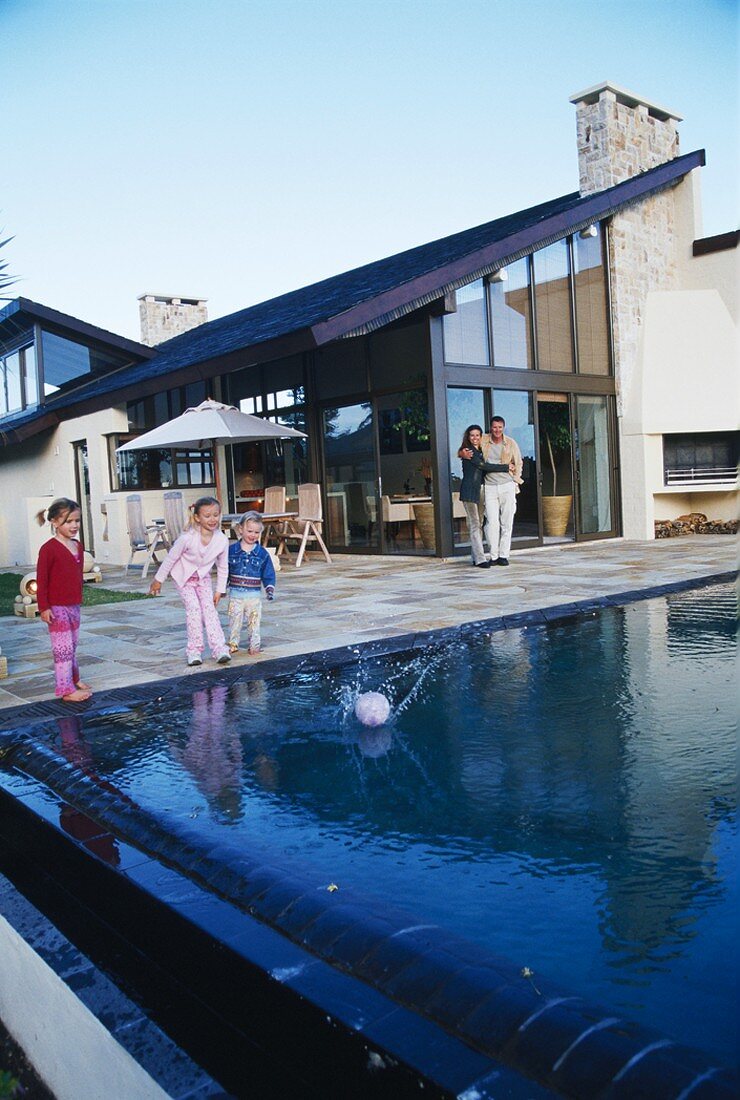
{"points": [[307, 527], [143, 538], [274, 503], [175, 519], [393, 516]]}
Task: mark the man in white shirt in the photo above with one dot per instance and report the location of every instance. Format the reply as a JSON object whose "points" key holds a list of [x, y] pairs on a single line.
{"points": [[500, 489]]}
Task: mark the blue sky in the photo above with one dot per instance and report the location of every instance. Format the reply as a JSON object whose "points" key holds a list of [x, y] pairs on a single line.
{"points": [[236, 149]]}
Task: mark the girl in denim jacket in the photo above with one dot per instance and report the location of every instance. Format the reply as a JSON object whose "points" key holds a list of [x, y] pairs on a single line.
{"points": [[250, 569]]}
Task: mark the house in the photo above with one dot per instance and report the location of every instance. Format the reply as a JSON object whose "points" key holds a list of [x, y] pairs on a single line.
{"points": [[600, 324]]}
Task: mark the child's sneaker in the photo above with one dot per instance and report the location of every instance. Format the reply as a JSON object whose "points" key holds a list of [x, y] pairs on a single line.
{"points": [[194, 659], [233, 647], [223, 658]]}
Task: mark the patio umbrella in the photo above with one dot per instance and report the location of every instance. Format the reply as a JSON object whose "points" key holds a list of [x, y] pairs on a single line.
{"points": [[207, 424]]}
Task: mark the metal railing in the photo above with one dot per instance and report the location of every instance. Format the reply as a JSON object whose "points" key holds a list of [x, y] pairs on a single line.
{"points": [[687, 474]]}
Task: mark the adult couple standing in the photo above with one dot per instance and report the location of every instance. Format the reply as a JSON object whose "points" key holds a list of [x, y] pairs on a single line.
{"points": [[494, 463]]}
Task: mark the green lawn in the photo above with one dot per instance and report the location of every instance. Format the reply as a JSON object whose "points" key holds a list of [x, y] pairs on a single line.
{"points": [[92, 593]]}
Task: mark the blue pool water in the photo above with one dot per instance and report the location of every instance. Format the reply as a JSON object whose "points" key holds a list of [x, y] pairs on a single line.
{"points": [[564, 795]]}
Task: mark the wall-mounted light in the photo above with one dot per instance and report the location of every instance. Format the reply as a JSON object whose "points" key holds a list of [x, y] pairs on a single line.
{"points": [[499, 276], [589, 231]]}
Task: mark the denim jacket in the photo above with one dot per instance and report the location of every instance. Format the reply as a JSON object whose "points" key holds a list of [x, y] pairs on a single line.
{"points": [[248, 572]]}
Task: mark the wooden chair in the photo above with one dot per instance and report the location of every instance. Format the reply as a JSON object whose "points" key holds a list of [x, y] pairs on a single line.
{"points": [[175, 520], [143, 538], [274, 502], [394, 515], [307, 527]]}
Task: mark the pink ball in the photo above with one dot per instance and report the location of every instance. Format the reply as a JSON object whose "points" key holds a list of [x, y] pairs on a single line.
{"points": [[372, 708]]}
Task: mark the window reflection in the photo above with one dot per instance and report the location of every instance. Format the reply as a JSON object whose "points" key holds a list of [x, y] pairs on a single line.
{"points": [[466, 331], [552, 301], [591, 312], [512, 320]]}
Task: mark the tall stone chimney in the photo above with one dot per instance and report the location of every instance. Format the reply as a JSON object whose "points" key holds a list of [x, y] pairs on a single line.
{"points": [[163, 316], [620, 135]]}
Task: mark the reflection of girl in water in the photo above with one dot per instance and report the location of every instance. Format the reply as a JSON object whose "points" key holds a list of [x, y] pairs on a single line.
{"points": [[213, 752], [72, 820]]}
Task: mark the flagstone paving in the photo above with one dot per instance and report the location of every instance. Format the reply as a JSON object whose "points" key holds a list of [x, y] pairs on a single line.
{"points": [[356, 599]]}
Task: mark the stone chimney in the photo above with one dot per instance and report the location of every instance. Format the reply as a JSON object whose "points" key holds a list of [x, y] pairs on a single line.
{"points": [[163, 316], [620, 135]]}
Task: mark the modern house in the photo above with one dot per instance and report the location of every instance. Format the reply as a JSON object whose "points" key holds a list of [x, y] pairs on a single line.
{"points": [[601, 325]]}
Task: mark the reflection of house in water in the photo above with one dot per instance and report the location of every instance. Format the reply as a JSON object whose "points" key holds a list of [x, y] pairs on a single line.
{"points": [[611, 772]]}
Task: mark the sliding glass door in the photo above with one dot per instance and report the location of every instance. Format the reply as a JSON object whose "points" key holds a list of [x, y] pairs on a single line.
{"points": [[594, 464], [351, 489]]}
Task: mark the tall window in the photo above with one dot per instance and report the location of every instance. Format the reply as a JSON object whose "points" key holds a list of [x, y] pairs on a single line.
{"points": [[466, 331], [18, 383], [512, 317], [552, 307], [592, 331]]}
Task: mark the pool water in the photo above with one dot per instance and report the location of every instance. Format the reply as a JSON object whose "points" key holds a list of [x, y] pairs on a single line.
{"points": [[563, 794]]}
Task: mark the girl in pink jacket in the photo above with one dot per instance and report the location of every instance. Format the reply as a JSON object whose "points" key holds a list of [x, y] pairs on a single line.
{"points": [[190, 562]]}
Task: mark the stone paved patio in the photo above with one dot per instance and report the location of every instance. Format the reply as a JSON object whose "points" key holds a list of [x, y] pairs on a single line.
{"points": [[356, 599]]}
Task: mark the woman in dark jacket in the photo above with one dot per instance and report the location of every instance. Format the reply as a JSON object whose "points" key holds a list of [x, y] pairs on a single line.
{"points": [[474, 468]]}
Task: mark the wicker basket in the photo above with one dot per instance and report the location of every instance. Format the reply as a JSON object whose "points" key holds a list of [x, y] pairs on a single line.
{"points": [[556, 514], [424, 516]]}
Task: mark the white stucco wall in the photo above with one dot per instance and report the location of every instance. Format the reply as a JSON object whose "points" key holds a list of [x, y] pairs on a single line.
{"points": [[41, 468]]}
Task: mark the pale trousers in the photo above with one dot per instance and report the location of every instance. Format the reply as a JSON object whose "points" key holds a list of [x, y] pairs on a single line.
{"points": [[500, 509], [251, 606], [474, 514], [197, 595]]}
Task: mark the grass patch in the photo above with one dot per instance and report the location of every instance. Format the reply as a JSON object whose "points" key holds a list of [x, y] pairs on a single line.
{"points": [[91, 593]]}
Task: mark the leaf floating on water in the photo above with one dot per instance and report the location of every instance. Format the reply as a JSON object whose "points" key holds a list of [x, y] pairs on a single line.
{"points": [[332, 887]]}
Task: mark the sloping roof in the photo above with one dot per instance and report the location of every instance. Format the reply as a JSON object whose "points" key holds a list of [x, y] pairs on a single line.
{"points": [[22, 311], [367, 297]]}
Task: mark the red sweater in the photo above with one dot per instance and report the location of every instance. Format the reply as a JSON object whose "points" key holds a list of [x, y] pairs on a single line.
{"points": [[59, 575]]}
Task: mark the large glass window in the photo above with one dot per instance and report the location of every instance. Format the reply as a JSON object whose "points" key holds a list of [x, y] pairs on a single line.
{"points": [[30, 376], [464, 407], [13, 392], [517, 409], [349, 457], [466, 330], [66, 360], [592, 319], [157, 469], [594, 465], [553, 308], [512, 317]]}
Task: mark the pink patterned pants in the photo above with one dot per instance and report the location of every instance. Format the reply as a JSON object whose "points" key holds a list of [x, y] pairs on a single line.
{"points": [[64, 630], [197, 595]]}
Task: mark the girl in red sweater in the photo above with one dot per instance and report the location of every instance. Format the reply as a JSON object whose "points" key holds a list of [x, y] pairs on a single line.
{"points": [[59, 577]]}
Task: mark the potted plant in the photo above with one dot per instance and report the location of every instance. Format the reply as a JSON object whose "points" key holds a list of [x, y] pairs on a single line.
{"points": [[555, 438]]}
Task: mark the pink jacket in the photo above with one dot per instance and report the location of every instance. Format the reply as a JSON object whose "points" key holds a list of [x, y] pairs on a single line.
{"points": [[189, 555]]}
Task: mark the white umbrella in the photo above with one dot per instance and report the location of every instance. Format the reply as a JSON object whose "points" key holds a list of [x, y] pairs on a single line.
{"points": [[209, 423]]}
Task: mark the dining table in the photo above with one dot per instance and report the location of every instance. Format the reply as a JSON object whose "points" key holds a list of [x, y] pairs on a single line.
{"points": [[230, 519]]}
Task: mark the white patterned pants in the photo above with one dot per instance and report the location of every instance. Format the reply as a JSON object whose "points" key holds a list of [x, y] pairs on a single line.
{"points": [[251, 606], [500, 510]]}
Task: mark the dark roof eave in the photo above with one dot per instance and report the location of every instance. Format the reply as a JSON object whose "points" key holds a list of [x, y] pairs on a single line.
{"points": [[80, 328], [430, 286]]}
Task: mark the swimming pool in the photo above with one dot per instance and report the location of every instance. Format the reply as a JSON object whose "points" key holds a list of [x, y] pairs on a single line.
{"points": [[562, 795]]}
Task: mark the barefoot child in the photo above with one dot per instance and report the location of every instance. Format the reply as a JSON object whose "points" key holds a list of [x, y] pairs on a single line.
{"points": [[190, 562], [59, 578], [250, 567]]}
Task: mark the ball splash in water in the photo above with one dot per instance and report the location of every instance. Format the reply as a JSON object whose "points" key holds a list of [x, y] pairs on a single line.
{"points": [[372, 708]]}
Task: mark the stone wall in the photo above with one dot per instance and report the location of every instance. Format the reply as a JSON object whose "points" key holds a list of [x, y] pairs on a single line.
{"points": [[163, 316], [619, 136]]}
